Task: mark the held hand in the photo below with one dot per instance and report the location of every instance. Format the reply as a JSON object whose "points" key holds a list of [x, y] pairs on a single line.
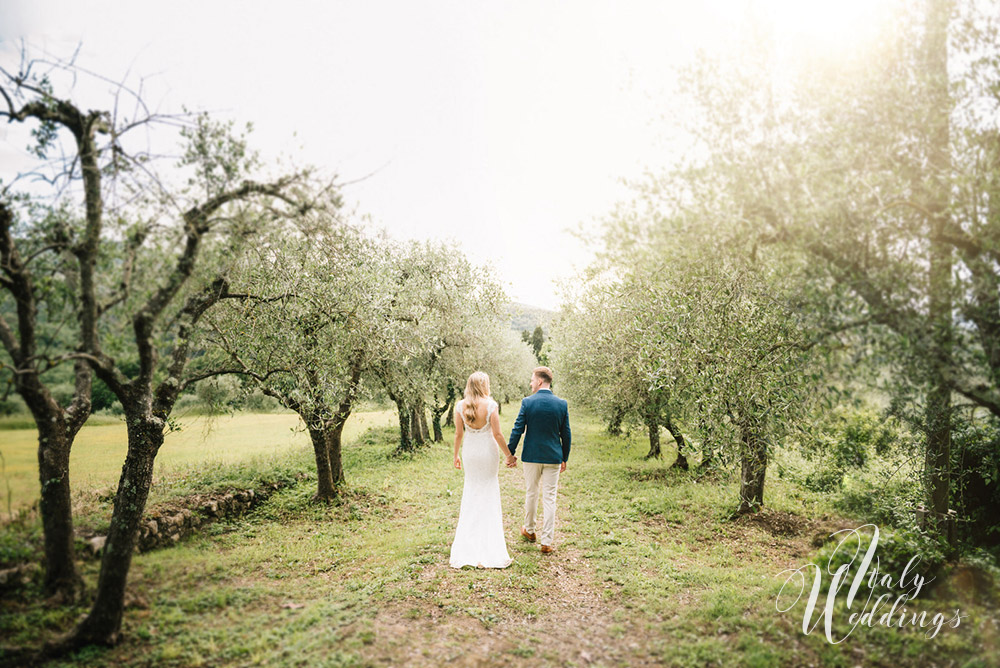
{"points": [[458, 463], [562, 467], [512, 461]]}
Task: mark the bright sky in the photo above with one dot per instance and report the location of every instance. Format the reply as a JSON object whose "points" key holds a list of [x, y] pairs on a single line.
{"points": [[502, 125]]}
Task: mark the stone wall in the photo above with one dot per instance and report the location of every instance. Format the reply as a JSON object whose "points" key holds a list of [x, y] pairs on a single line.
{"points": [[166, 524], [163, 525]]}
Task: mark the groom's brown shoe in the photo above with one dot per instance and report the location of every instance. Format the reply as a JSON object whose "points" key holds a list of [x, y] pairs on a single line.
{"points": [[546, 549], [529, 536]]}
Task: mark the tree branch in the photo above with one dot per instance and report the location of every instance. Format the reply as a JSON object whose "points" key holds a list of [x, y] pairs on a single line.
{"points": [[982, 394], [10, 342], [135, 241], [191, 380], [242, 296], [196, 305], [20, 285], [196, 223]]}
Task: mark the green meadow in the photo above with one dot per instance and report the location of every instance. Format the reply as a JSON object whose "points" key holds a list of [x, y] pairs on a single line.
{"points": [[99, 450], [648, 570]]}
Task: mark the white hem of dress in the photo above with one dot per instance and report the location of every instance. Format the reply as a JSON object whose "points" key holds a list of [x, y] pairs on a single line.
{"points": [[509, 562]]}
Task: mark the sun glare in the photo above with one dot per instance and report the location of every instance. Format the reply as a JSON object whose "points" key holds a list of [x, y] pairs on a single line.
{"points": [[829, 28]]}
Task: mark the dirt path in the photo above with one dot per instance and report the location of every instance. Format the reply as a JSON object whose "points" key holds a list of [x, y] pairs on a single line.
{"points": [[548, 609], [553, 615]]}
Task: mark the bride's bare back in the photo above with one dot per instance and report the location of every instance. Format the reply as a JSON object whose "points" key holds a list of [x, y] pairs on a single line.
{"points": [[482, 412]]}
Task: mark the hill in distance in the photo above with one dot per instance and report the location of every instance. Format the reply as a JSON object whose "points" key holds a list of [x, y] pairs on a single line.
{"points": [[527, 317]]}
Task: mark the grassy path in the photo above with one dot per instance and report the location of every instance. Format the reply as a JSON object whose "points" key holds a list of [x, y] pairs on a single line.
{"points": [[648, 571], [543, 607]]}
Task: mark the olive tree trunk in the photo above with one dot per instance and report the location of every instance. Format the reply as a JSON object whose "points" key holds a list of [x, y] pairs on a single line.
{"points": [[681, 462], [938, 409], [405, 426], [325, 488], [615, 423], [753, 466], [653, 426], [421, 411], [55, 439], [57, 427], [145, 436]]}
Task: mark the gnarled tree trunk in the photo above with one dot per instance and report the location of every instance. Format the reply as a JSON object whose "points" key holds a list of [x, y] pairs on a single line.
{"points": [[436, 425], [334, 430], [615, 423], [753, 466], [55, 439], [681, 462], [103, 624], [421, 412], [445, 409], [449, 414], [415, 434], [938, 409], [57, 427], [334, 448], [405, 429], [325, 486], [653, 426]]}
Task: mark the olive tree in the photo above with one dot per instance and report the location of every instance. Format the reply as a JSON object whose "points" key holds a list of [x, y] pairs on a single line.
{"points": [[179, 242], [437, 301], [884, 174], [487, 344], [40, 275], [610, 345], [306, 321], [745, 357]]}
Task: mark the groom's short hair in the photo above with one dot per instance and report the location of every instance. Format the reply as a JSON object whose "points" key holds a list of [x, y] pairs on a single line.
{"points": [[544, 373]]}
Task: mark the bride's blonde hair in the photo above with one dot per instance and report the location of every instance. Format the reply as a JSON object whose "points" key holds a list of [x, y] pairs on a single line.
{"points": [[477, 388]]}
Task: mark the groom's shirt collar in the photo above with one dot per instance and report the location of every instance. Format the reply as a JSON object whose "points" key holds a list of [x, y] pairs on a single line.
{"points": [[543, 389]]}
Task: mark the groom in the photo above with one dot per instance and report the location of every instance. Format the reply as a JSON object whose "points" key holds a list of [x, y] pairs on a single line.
{"points": [[546, 449]]}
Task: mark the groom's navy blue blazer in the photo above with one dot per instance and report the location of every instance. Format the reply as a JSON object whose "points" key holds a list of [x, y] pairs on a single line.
{"points": [[546, 418]]}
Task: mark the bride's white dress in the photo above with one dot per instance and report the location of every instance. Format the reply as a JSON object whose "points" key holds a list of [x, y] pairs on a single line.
{"points": [[479, 539]]}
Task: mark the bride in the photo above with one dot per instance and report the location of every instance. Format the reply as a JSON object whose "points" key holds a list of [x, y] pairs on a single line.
{"points": [[479, 539]]}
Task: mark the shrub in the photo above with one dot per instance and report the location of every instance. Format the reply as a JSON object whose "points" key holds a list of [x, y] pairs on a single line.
{"points": [[848, 441], [218, 393], [101, 396], [890, 503], [13, 405], [976, 484], [895, 549], [258, 402]]}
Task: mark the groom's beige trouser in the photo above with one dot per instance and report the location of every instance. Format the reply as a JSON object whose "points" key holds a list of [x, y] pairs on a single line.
{"points": [[545, 476]]}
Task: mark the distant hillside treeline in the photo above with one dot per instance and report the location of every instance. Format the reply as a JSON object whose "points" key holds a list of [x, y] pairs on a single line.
{"points": [[525, 317]]}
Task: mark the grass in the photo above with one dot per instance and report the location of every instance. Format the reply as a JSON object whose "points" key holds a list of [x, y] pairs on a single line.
{"points": [[202, 442], [648, 569]]}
